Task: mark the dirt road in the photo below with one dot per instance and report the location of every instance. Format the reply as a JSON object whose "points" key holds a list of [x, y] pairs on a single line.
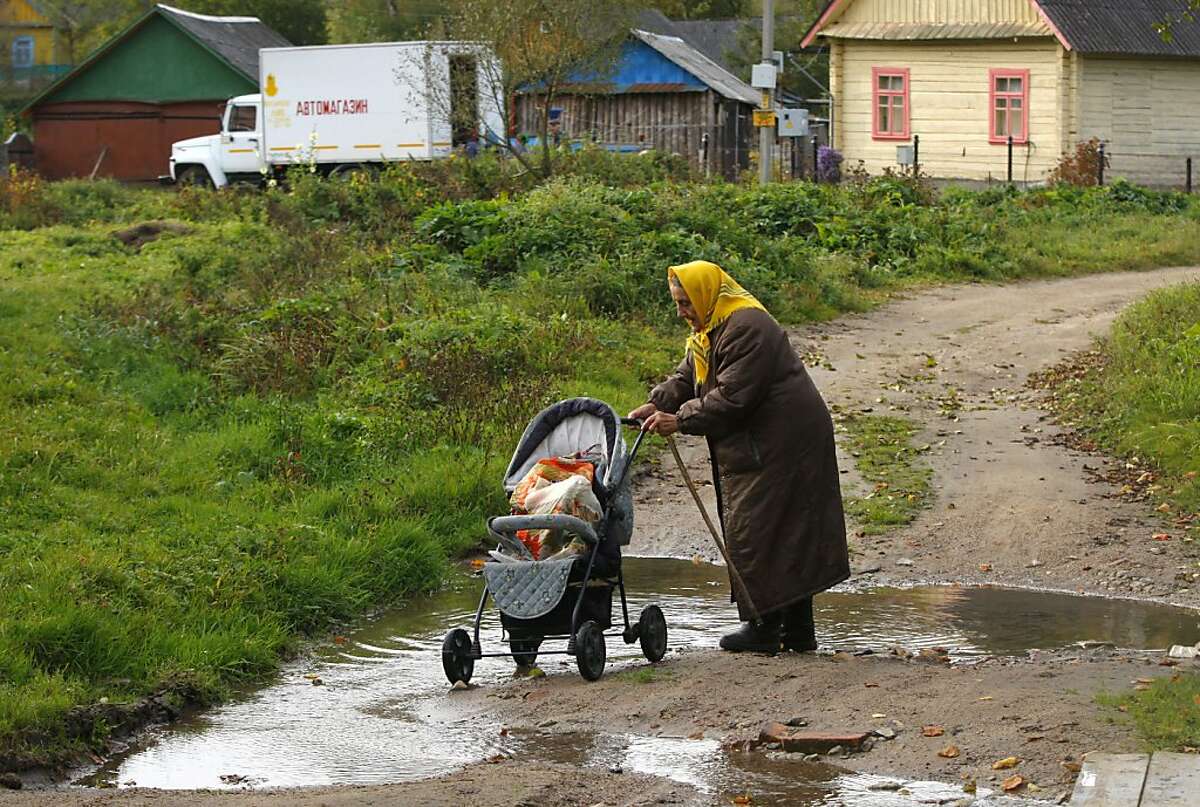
{"points": [[1006, 498], [956, 360]]}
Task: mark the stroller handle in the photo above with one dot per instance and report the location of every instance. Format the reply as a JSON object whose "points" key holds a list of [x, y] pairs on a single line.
{"points": [[507, 525]]}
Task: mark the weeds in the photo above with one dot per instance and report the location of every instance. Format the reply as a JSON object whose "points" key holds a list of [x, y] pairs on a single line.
{"points": [[882, 451], [1166, 714]]}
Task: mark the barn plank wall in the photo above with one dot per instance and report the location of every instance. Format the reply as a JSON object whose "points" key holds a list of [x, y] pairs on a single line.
{"points": [[940, 11], [949, 105], [674, 122], [1147, 111]]}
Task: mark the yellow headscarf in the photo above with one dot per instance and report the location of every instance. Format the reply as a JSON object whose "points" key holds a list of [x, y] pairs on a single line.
{"points": [[715, 295]]}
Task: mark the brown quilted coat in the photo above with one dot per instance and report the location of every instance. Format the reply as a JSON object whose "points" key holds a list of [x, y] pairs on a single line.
{"points": [[770, 437]]}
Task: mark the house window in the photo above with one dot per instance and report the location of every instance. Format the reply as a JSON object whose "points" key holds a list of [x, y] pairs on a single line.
{"points": [[889, 97], [1009, 105], [22, 52]]}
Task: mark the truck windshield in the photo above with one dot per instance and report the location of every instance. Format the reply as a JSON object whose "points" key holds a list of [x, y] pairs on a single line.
{"points": [[243, 118]]}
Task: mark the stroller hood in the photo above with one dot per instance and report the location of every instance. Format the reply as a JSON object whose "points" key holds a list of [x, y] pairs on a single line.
{"points": [[567, 427]]}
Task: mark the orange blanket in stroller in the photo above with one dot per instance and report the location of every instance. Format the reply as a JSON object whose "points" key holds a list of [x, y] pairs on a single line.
{"points": [[556, 485]]}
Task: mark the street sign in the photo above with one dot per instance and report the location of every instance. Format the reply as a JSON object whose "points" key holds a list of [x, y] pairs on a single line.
{"points": [[763, 118], [762, 76], [793, 123]]}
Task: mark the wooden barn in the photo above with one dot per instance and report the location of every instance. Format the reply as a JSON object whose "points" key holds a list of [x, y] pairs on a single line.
{"points": [[964, 75], [663, 94], [162, 79]]}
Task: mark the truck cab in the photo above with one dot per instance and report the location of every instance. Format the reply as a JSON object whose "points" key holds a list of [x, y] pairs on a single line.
{"points": [[231, 156]]}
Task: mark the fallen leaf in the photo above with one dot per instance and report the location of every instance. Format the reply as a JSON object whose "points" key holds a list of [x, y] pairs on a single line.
{"points": [[1143, 681], [949, 752], [742, 799], [869, 685], [504, 731], [878, 716], [986, 698], [1007, 762], [477, 564], [1163, 508], [933, 731], [985, 567], [1196, 699], [1161, 536], [1073, 767], [696, 735], [1122, 708], [340, 640], [1012, 783], [970, 787]]}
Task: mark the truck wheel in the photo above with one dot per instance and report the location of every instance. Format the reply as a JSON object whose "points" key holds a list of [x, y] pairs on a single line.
{"points": [[194, 176], [346, 171]]}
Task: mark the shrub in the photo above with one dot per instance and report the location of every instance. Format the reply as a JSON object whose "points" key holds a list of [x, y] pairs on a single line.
{"points": [[1080, 168], [829, 164]]}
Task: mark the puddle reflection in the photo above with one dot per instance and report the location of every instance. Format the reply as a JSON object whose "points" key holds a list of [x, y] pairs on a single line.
{"points": [[382, 716]]}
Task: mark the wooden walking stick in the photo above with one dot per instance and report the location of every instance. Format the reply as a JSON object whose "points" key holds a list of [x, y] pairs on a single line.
{"points": [[739, 584]]}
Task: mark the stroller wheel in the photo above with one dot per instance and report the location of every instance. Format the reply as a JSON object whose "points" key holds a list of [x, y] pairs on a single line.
{"points": [[590, 654], [456, 656], [652, 633], [524, 651]]}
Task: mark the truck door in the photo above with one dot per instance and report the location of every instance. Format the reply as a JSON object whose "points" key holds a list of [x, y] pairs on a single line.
{"points": [[241, 139]]}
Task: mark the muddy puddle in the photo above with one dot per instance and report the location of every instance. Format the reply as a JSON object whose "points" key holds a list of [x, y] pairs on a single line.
{"points": [[380, 713]]}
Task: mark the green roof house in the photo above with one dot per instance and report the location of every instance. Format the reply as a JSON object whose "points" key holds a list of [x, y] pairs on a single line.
{"points": [[162, 79]]}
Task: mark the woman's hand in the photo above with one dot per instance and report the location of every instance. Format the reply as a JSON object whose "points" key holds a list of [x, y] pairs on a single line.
{"points": [[644, 411], [663, 423]]}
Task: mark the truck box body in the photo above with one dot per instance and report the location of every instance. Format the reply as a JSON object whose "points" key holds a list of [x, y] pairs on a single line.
{"points": [[363, 103]]}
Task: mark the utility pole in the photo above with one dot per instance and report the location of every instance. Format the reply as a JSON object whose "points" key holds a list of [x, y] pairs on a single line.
{"points": [[766, 134]]}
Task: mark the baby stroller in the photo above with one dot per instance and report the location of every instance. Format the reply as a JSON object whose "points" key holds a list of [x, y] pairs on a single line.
{"points": [[568, 598]]}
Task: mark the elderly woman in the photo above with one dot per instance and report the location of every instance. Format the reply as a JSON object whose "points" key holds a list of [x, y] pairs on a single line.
{"points": [[770, 438]]}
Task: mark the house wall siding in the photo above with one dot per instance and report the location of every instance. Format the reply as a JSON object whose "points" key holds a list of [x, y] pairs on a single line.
{"points": [[1147, 111], [940, 11], [949, 105]]}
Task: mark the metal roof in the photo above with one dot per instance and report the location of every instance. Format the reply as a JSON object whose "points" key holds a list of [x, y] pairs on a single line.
{"points": [[1123, 27], [693, 61], [1111, 27], [237, 40], [900, 30]]}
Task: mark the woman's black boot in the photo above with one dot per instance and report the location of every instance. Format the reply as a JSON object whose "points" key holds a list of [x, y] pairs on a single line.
{"points": [[754, 637], [799, 630]]}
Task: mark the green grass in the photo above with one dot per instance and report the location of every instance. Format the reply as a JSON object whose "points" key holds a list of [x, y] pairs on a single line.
{"points": [[883, 452], [1138, 395], [645, 675], [298, 408], [1166, 715]]}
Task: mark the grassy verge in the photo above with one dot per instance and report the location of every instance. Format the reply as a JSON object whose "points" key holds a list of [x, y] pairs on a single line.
{"points": [[883, 452], [291, 406], [1137, 396], [1166, 715]]}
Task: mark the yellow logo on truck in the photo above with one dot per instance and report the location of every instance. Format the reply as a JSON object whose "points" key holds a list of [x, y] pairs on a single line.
{"points": [[271, 87]]}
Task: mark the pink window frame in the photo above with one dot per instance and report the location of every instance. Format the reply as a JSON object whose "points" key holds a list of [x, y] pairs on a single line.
{"points": [[1001, 72], [876, 72]]}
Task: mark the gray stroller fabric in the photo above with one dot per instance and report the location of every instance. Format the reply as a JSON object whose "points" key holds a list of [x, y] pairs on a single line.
{"points": [[527, 589]]}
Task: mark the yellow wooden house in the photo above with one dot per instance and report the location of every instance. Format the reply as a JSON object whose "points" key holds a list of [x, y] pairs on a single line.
{"points": [[965, 75], [32, 48]]}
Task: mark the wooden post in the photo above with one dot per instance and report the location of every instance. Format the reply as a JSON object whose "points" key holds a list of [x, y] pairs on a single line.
{"points": [[1010, 159], [916, 156], [1100, 167], [1188, 183]]}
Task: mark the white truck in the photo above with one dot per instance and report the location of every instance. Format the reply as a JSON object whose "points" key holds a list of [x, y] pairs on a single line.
{"points": [[346, 107]]}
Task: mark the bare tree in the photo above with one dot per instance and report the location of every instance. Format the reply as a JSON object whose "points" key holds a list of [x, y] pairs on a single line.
{"points": [[541, 47]]}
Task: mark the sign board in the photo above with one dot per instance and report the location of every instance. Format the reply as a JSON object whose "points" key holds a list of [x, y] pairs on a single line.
{"points": [[904, 155], [763, 118], [793, 123]]}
